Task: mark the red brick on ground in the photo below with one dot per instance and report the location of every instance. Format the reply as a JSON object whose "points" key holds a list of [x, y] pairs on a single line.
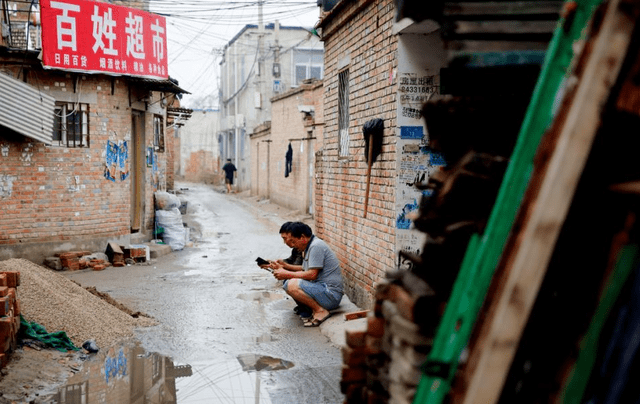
{"points": [[6, 333], [6, 305], [13, 278]]}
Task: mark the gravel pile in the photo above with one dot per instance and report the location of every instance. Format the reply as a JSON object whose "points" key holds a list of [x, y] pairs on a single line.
{"points": [[59, 304]]}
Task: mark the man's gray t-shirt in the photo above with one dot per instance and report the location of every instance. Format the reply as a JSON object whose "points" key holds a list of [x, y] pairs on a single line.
{"points": [[319, 255]]}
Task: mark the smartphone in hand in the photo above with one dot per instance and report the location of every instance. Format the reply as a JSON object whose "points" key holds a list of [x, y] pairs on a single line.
{"points": [[261, 261]]}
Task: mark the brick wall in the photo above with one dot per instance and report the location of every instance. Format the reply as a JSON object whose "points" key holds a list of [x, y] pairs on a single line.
{"points": [[173, 153], [199, 152], [54, 194], [361, 42], [291, 126]]}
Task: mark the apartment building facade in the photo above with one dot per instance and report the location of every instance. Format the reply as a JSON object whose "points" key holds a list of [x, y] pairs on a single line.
{"points": [[260, 62]]}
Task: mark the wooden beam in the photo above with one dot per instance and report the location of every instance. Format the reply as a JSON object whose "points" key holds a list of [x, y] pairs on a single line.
{"points": [[525, 260], [508, 9], [631, 187]]}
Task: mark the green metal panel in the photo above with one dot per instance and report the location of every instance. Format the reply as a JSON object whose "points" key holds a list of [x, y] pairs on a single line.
{"points": [[483, 253]]}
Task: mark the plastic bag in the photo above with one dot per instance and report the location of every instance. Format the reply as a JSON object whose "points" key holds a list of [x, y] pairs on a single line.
{"points": [[166, 201], [174, 231]]}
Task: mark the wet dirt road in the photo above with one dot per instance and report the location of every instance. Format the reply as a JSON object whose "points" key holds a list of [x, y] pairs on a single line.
{"points": [[223, 315]]}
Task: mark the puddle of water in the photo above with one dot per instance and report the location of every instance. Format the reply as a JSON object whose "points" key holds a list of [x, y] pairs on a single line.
{"points": [[263, 338], [260, 362], [221, 382], [128, 373], [261, 297]]}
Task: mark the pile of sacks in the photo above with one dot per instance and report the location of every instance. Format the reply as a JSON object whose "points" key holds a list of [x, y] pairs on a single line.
{"points": [[169, 220]]}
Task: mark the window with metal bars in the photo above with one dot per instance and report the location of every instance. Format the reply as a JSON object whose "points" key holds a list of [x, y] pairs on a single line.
{"points": [[343, 113], [71, 125], [158, 133]]}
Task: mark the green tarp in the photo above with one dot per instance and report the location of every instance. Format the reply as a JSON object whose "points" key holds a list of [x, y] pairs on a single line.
{"points": [[58, 340]]}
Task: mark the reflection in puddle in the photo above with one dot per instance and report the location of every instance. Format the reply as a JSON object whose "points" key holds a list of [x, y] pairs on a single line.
{"points": [[261, 297], [263, 338], [129, 374], [122, 374], [224, 382], [257, 362]]}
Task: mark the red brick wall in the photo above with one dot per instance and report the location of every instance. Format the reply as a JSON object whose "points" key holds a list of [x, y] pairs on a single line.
{"points": [[52, 194], [364, 44], [202, 167]]}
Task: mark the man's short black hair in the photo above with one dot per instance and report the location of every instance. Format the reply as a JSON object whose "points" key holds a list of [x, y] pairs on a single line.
{"points": [[285, 227], [228, 159], [299, 229]]}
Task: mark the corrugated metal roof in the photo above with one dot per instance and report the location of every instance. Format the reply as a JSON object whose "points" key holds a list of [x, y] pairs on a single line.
{"points": [[167, 86], [26, 110]]}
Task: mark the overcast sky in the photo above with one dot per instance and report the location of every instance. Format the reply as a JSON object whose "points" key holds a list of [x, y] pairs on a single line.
{"points": [[198, 30]]}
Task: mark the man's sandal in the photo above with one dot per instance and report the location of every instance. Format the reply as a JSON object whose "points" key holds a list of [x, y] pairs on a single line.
{"points": [[315, 322]]}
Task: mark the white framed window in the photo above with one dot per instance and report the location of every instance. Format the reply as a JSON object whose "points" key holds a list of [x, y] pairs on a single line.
{"points": [[71, 124], [308, 64]]}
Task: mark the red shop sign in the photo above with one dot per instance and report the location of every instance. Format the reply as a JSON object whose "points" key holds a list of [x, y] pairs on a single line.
{"points": [[98, 37]]}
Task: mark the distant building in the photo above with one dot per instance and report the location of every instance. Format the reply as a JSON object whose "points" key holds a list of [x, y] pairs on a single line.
{"points": [[257, 64], [283, 151], [199, 155]]}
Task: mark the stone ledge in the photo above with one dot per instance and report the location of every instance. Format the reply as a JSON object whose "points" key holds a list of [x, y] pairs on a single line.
{"points": [[158, 250]]}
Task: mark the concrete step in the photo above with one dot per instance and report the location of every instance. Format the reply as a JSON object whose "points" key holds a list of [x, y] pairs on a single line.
{"points": [[158, 250]]}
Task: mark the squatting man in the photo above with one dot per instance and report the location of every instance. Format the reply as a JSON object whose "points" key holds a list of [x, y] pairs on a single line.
{"points": [[316, 285]]}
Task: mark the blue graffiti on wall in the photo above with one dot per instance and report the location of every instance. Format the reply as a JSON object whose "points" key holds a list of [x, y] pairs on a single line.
{"points": [[114, 367], [402, 222]]}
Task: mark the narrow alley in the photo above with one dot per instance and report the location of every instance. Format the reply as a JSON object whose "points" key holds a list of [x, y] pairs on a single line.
{"points": [[217, 308]]}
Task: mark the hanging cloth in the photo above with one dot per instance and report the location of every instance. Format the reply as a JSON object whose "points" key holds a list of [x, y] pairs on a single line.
{"points": [[288, 161]]}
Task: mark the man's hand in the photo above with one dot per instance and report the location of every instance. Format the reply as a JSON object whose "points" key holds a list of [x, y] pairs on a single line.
{"points": [[279, 272], [266, 266]]}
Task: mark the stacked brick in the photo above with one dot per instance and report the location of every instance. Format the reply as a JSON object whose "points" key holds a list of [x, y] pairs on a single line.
{"points": [[75, 260], [382, 363], [9, 313], [411, 301]]}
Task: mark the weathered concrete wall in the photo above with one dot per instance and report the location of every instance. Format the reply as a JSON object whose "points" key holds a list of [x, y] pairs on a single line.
{"points": [[260, 141], [291, 126]]}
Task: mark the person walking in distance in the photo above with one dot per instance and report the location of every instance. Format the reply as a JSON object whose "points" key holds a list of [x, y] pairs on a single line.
{"points": [[229, 173]]}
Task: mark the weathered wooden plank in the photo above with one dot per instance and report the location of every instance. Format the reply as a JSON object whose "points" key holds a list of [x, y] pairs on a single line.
{"points": [[632, 187], [527, 258], [504, 27], [512, 8]]}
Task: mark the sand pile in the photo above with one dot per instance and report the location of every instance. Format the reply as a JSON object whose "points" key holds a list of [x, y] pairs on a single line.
{"points": [[59, 304]]}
